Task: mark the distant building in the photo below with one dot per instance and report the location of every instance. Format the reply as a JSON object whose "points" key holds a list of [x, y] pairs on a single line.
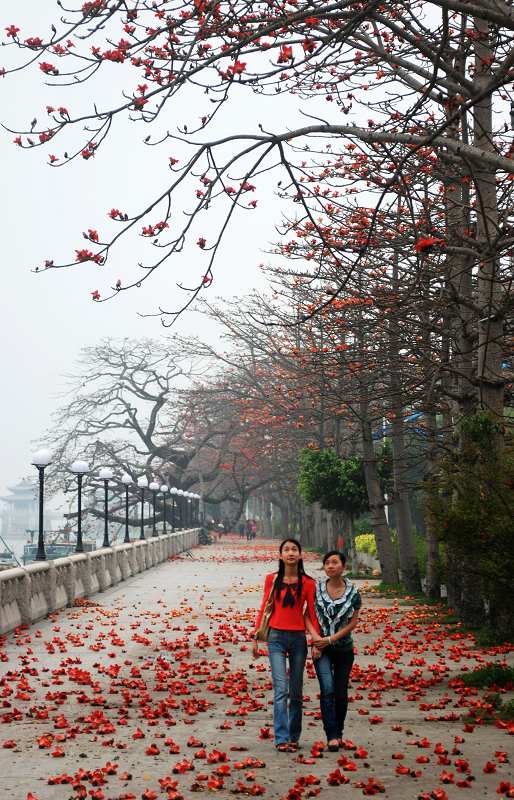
{"points": [[20, 509]]}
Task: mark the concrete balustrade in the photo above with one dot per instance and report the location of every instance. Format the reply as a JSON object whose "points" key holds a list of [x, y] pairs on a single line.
{"points": [[28, 594]]}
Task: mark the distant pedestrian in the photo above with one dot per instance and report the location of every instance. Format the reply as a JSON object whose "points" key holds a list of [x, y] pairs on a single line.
{"points": [[242, 529]]}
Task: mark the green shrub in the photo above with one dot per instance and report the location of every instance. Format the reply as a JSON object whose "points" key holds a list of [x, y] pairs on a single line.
{"points": [[337, 484], [490, 675], [506, 710]]}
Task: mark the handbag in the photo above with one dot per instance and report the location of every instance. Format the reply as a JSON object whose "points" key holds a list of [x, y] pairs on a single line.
{"points": [[262, 632]]}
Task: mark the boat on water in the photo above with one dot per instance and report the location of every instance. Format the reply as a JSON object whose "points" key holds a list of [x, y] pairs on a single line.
{"points": [[7, 560], [58, 544]]}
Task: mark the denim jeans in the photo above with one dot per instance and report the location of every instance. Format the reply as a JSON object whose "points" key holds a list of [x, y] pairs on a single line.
{"points": [[287, 689], [333, 670]]}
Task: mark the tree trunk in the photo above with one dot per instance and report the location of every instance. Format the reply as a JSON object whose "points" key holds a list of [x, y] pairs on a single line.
{"points": [[318, 541], [433, 566], [285, 520], [386, 553], [351, 549], [327, 529], [338, 527], [490, 328], [453, 580], [407, 551], [470, 605], [308, 525], [266, 518]]}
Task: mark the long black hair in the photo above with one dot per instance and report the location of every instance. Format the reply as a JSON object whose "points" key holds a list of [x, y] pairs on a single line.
{"points": [[289, 599]]}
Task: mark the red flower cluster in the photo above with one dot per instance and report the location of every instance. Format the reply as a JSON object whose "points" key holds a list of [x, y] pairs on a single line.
{"points": [[48, 69], [428, 243], [87, 255]]}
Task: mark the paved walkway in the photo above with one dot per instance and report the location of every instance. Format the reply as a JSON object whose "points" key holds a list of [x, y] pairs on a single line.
{"points": [[153, 693]]}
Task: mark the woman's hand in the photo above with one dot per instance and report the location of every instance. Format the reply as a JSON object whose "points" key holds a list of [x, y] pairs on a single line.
{"points": [[315, 653], [255, 649], [322, 642]]}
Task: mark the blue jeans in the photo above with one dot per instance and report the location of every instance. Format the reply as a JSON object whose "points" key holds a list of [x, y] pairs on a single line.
{"points": [[333, 670], [287, 693]]}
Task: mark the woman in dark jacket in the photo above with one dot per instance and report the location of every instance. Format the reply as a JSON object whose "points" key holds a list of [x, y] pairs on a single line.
{"points": [[337, 604]]}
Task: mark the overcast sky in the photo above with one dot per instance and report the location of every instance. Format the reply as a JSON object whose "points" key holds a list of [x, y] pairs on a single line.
{"points": [[47, 318]]}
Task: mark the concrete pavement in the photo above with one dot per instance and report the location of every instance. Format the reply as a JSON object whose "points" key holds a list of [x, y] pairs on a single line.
{"points": [[148, 690]]}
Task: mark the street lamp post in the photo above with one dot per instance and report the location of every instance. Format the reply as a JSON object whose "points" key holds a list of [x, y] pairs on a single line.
{"points": [[142, 482], [41, 460], [199, 510], [79, 468], [154, 488], [190, 496], [164, 489], [193, 509], [106, 475], [126, 481], [180, 496], [185, 501], [173, 493], [189, 510], [184, 511]]}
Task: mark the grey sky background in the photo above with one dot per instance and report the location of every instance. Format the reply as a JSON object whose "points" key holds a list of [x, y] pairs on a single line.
{"points": [[47, 318]]}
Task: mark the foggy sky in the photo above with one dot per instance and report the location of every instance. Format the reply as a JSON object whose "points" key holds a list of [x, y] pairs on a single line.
{"points": [[47, 318]]}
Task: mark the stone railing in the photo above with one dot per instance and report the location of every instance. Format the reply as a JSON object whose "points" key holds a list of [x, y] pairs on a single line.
{"points": [[30, 593]]}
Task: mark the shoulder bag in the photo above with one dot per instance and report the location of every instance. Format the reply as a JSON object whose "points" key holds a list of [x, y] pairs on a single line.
{"points": [[262, 632]]}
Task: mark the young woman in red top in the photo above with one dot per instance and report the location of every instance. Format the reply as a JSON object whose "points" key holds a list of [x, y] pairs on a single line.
{"points": [[293, 595]]}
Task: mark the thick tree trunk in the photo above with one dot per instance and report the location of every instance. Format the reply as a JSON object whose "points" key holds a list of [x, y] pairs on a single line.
{"points": [[386, 553], [453, 580], [266, 518], [285, 520], [318, 535], [308, 524], [406, 548], [350, 547], [470, 605], [433, 565], [490, 329], [407, 551], [327, 529], [336, 528]]}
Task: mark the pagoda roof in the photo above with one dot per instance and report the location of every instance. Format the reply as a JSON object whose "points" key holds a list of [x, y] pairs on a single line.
{"points": [[27, 486]]}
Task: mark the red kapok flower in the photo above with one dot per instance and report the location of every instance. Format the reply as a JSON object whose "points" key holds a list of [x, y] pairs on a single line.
{"points": [[427, 243], [48, 69]]}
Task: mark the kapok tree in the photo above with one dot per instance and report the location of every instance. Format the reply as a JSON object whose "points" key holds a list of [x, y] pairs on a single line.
{"points": [[405, 75]]}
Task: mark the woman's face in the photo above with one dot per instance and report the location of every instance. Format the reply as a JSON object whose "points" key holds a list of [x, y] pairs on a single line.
{"points": [[333, 567], [290, 554]]}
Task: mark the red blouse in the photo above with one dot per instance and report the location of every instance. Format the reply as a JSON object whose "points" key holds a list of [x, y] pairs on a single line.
{"points": [[291, 617]]}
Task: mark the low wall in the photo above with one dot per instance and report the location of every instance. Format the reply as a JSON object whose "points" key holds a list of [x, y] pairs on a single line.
{"points": [[30, 593], [365, 561]]}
